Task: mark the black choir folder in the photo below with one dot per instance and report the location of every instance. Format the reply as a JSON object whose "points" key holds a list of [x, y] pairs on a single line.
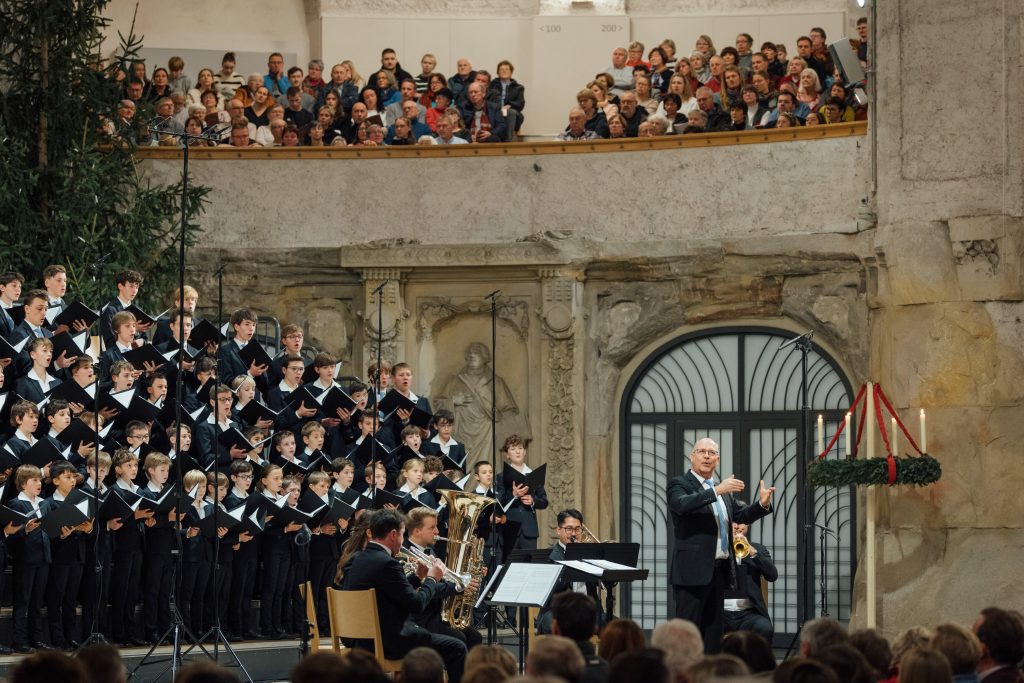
{"points": [[535, 479]]}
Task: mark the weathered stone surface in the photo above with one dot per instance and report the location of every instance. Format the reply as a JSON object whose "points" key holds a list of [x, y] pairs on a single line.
{"points": [[987, 252], [919, 263]]}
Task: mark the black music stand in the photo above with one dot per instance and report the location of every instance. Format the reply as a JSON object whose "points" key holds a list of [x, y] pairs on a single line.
{"points": [[625, 554]]}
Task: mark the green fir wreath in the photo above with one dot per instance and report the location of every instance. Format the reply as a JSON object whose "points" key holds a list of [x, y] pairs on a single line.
{"points": [[916, 471]]}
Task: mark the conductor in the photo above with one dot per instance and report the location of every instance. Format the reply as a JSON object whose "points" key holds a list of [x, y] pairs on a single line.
{"points": [[703, 565]]}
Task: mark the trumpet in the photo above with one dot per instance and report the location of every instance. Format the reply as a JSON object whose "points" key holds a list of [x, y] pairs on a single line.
{"points": [[741, 546], [410, 555]]}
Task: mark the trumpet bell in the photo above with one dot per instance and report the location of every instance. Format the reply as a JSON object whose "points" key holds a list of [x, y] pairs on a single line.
{"points": [[741, 547]]}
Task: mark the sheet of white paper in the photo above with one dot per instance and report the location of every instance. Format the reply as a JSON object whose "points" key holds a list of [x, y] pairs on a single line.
{"points": [[606, 564], [582, 566], [527, 584]]}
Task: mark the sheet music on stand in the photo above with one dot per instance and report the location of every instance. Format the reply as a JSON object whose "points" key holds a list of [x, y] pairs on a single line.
{"points": [[524, 584]]}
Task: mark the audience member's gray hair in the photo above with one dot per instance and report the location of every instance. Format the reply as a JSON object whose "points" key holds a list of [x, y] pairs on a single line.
{"points": [[426, 140], [660, 124], [555, 656], [681, 642], [821, 633]]}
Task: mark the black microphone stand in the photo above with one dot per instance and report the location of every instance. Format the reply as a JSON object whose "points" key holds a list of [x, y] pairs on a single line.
{"points": [[95, 634], [215, 632], [492, 613], [178, 626], [805, 555], [378, 293]]}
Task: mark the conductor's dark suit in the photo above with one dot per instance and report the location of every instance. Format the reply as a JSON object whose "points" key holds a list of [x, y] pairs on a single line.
{"points": [[397, 598], [698, 579], [748, 585]]}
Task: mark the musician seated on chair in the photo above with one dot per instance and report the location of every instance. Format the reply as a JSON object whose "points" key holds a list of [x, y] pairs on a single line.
{"points": [[745, 609], [422, 531], [569, 529], [399, 596]]}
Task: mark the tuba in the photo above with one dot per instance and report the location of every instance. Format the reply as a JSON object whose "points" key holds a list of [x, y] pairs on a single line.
{"points": [[465, 552]]}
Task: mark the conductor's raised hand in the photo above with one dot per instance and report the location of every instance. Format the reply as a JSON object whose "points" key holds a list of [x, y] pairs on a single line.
{"points": [[730, 485], [765, 494]]}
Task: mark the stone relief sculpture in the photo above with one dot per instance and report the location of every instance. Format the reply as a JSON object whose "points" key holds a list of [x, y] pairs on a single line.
{"points": [[467, 393]]}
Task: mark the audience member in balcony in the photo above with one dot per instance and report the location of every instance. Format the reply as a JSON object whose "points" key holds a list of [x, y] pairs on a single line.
{"points": [[275, 78], [417, 129], [632, 114], [137, 71], [375, 136], [821, 60], [833, 111], [389, 63], [123, 125], [428, 63], [787, 103], [458, 124], [435, 83], [160, 86], [236, 111], [356, 120], [483, 119], [135, 91], [327, 120], [705, 47], [247, 93], [361, 134], [600, 92], [737, 116], [464, 75], [331, 100], [180, 110], [226, 81], [195, 127], [290, 137], [794, 68], [758, 65], [442, 102], [644, 97], [658, 126], [342, 85], [745, 51], [715, 66], [265, 133], [386, 87], [717, 118], [669, 46], [669, 110], [407, 93], [446, 132], [731, 58], [621, 73], [732, 86], [754, 114], [696, 122], [315, 136], [660, 73], [594, 118], [240, 134], [368, 97], [609, 85], [616, 126], [849, 111], [508, 93], [679, 85], [635, 54], [204, 83], [353, 74], [766, 96], [164, 108], [699, 69], [176, 75], [295, 79], [400, 133], [785, 120], [195, 112], [813, 119], [776, 56], [295, 113], [256, 112], [809, 92], [314, 83], [805, 50], [577, 129]]}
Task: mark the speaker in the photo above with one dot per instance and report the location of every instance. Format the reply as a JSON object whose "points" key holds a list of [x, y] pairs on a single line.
{"points": [[846, 60]]}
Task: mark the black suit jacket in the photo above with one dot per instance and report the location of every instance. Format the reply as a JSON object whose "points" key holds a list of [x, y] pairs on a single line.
{"points": [[70, 550], [696, 530], [30, 389], [32, 547], [231, 365], [23, 363], [525, 516], [397, 599]]}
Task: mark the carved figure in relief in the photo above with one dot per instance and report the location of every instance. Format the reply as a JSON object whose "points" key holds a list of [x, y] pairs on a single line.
{"points": [[467, 394]]}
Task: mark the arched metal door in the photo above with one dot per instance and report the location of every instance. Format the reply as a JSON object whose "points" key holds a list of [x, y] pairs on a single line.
{"points": [[738, 387]]}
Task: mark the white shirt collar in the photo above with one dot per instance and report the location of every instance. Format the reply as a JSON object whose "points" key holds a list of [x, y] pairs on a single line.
{"points": [[34, 502], [127, 487], [153, 487], [524, 469], [437, 440], [122, 348], [238, 493], [700, 478], [124, 304], [57, 496]]}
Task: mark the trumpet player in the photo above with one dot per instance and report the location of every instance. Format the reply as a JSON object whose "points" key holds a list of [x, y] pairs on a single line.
{"points": [[745, 609], [569, 530], [399, 596], [422, 533]]}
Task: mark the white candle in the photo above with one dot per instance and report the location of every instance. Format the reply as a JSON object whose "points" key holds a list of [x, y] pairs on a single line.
{"points": [[895, 448], [924, 436], [870, 435], [849, 439], [821, 435], [869, 530]]}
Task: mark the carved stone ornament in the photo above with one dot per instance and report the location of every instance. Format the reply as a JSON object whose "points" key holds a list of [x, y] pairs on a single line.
{"points": [[436, 310], [561, 416]]}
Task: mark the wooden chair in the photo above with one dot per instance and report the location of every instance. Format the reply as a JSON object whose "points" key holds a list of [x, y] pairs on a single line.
{"points": [[306, 591], [353, 614]]}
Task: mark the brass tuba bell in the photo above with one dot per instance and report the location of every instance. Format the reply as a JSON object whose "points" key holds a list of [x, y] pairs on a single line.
{"points": [[741, 547]]}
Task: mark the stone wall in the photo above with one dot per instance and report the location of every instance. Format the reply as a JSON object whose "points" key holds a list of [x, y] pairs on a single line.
{"points": [[947, 300]]}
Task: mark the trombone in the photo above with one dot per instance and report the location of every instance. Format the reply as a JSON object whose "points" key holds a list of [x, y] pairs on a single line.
{"points": [[411, 555]]}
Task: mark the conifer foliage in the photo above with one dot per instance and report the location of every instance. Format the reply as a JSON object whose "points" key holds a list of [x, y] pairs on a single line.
{"points": [[67, 194]]}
